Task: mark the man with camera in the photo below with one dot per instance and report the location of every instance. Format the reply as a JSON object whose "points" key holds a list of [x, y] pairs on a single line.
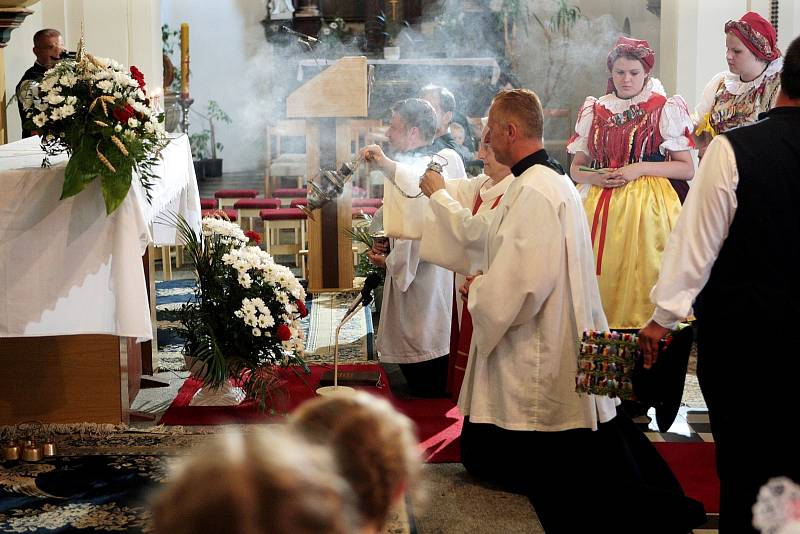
{"points": [[48, 47]]}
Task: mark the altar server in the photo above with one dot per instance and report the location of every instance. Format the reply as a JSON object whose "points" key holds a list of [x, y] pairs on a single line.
{"points": [[525, 426], [414, 330]]}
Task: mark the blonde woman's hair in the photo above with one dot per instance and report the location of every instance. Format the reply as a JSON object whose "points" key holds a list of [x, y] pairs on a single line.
{"points": [[268, 482], [375, 445], [522, 107]]}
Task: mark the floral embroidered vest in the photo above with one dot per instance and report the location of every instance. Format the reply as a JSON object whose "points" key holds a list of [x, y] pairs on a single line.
{"points": [[730, 111]]}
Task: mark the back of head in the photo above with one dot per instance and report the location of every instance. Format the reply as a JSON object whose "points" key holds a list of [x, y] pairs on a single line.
{"points": [[790, 76], [447, 101], [522, 107], [375, 445], [418, 113], [256, 483]]}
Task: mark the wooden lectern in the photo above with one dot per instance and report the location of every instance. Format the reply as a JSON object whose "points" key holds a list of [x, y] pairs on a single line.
{"points": [[328, 102]]}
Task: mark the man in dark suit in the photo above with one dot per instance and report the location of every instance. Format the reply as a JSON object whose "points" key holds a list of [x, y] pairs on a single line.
{"points": [[48, 46], [733, 257]]}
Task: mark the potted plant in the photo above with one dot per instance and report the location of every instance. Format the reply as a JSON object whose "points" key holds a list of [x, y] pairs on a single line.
{"points": [[243, 323], [391, 32], [198, 143], [213, 165]]}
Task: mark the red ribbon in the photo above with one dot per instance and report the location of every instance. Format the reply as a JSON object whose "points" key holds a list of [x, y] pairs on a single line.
{"points": [[602, 209]]}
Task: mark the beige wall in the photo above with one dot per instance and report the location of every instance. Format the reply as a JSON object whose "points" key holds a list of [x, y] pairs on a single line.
{"points": [[126, 30]]}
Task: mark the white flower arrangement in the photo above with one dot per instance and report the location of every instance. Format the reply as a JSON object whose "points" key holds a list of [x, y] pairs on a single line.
{"points": [[245, 317], [100, 113]]}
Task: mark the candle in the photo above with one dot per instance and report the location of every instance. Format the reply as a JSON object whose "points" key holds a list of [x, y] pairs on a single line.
{"points": [[185, 60]]}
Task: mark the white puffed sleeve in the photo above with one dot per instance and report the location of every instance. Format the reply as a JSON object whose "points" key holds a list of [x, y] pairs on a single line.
{"points": [[707, 97], [579, 142], [675, 126]]}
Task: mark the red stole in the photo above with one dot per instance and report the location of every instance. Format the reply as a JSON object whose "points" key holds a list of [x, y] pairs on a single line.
{"points": [[459, 357]]}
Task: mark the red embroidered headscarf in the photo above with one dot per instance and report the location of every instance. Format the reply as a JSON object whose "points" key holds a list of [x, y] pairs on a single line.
{"points": [[639, 48], [757, 34]]}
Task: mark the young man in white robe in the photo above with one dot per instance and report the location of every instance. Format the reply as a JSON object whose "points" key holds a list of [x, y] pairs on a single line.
{"points": [[525, 426], [416, 312], [453, 250]]}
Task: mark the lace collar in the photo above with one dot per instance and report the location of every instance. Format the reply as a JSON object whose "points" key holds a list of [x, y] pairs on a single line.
{"points": [[735, 86], [615, 104]]}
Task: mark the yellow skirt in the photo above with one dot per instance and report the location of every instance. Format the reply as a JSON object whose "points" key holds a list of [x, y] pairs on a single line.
{"points": [[630, 226]]}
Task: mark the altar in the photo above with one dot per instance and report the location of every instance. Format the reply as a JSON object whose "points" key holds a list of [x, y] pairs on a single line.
{"points": [[74, 304]]}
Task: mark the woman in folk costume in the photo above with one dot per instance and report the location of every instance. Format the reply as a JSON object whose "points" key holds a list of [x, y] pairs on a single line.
{"points": [[749, 86], [631, 162], [462, 251]]}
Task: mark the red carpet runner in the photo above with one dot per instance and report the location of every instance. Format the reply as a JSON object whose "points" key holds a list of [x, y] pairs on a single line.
{"points": [[438, 422], [694, 465]]}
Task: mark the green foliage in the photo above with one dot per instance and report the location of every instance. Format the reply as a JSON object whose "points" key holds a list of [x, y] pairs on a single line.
{"points": [[215, 113], [215, 332], [361, 236], [199, 144], [205, 143], [562, 21], [97, 112], [391, 28], [169, 40]]}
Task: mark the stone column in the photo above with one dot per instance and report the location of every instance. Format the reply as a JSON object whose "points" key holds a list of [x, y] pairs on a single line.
{"points": [[12, 13]]}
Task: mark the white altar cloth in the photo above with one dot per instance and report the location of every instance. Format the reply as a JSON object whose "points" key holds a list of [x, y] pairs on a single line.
{"points": [[67, 268]]}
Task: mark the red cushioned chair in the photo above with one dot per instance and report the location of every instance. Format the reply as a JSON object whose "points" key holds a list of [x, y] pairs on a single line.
{"points": [[287, 194], [367, 202], [280, 163], [297, 202], [228, 197], [209, 203], [230, 213], [359, 211], [248, 208], [276, 220]]}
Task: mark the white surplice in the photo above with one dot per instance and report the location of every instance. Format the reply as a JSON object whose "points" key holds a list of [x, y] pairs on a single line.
{"points": [[402, 216], [417, 306], [416, 309], [452, 244], [536, 296]]}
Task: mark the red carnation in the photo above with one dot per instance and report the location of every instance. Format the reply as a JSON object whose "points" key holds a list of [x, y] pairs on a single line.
{"points": [[301, 307], [284, 333], [123, 114], [137, 75], [253, 236]]}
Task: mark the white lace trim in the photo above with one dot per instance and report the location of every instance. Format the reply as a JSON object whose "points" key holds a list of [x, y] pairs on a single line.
{"points": [[617, 105], [734, 84]]}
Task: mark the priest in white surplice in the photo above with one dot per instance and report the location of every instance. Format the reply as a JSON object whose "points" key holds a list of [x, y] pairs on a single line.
{"points": [[525, 426], [416, 311]]}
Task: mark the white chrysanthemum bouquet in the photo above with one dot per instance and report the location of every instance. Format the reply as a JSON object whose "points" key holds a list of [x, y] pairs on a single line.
{"points": [[244, 320], [101, 115]]}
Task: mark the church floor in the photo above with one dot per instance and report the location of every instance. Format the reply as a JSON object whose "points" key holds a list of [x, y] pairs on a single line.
{"points": [[453, 502]]}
